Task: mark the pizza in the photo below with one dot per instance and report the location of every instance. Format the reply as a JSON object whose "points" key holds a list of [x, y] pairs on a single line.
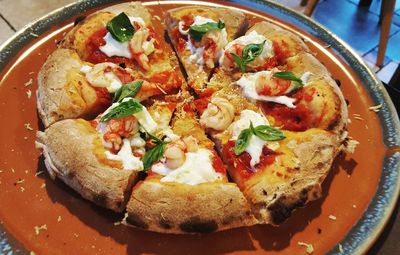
{"points": [[244, 132]]}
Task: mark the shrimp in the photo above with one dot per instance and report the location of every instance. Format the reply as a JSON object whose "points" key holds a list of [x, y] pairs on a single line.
{"points": [[116, 129], [102, 75], [141, 48], [268, 85], [218, 115], [175, 151]]}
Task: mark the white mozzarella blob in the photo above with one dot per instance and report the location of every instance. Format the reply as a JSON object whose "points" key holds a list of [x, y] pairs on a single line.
{"points": [[248, 84], [252, 38], [306, 77], [218, 36], [196, 169], [115, 48], [97, 76], [125, 155], [256, 144], [146, 122]]}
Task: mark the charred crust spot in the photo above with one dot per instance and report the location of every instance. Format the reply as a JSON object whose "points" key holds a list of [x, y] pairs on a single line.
{"points": [[79, 20], [100, 199], [282, 209], [135, 220], [196, 225], [71, 175], [164, 223], [265, 193]]}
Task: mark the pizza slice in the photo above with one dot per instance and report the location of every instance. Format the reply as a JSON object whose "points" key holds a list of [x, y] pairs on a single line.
{"points": [[103, 156], [277, 170], [69, 87], [199, 35], [296, 96], [264, 46], [187, 188]]}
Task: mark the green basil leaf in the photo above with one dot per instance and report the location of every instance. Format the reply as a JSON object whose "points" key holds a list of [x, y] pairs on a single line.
{"points": [[153, 155], [128, 90], [287, 75], [243, 141], [239, 62], [252, 51], [197, 32], [120, 27], [155, 138], [124, 109], [268, 133]]}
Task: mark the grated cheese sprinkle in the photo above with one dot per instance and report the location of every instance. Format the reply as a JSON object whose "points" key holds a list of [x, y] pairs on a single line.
{"points": [[375, 108], [341, 248], [28, 83], [332, 217], [29, 93], [28, 126], [39, 228], [309, 247]]}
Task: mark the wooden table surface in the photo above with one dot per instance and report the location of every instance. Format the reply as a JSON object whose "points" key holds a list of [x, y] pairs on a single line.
{"points": [[387, 244]]}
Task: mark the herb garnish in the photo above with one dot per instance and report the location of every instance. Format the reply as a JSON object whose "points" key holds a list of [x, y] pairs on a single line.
{"points": [[128, 90], [197, 32], [120, 27], [287, 75], [124, 109], [155, 153], [264, 132], [250, 52]]}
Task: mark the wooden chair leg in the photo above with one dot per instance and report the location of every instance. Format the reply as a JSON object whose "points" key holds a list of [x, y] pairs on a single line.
{"points": [[303, 2], [310, 7], [388, 10]]}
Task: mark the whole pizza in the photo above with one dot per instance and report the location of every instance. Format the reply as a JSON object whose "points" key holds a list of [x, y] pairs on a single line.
{"points": [[219, 123]]}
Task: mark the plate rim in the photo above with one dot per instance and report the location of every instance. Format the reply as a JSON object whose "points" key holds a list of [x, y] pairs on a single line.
{"points": [[389, 182]]}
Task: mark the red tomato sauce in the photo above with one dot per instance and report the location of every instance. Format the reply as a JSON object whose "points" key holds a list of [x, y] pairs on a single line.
{"points": [[293, 119], [241, 163], [218, 165], [201, 104], [95, 55]]}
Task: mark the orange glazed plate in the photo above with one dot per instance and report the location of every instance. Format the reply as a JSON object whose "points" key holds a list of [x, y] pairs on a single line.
{"points": [[40, 215]]}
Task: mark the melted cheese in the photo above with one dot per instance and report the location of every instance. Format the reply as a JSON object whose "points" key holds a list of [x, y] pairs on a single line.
{"points": [[97, 76], [256, 144], [218, 36], [196, 169], [306, 77], [248, 84], [115, 48], [125, 155], [144, 118], [146, 122], [252, 38]]}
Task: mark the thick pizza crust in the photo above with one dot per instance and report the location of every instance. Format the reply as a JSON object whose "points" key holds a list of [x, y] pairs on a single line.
{"points": [[307, 158], [78, 37], [289, 43], [180, 208], [69, 149], [58, 96]]}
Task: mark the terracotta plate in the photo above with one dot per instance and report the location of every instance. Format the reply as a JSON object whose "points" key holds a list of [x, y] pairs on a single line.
{"points": [[360, 191]]}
